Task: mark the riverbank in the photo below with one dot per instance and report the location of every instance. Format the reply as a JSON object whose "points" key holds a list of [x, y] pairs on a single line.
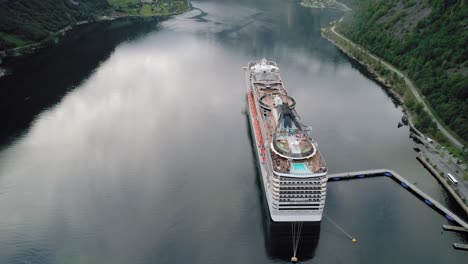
{"points": [[399, 85], [396, 85], [325, 4], [461, 200], [370, 68], [114, 13]]}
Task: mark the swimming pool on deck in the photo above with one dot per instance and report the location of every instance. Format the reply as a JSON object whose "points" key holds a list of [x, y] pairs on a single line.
{"points": [[299, 168]]}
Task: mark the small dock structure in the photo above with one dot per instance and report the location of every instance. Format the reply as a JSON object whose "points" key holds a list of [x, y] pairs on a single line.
{"points": [[460, 246], [454, 228], [428, 200]]}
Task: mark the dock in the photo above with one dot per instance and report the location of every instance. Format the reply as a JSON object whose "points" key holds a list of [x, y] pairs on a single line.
{"points": [[428, 200], [460, 246], [444, 183], [455, 228]]}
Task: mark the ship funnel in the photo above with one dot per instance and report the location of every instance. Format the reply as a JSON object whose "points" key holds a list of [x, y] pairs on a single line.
{"points": [[276, 111], [277, 101], [290, 140]]}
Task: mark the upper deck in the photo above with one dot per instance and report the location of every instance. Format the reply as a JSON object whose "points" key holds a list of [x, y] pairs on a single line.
{"points": [[292, 149]]}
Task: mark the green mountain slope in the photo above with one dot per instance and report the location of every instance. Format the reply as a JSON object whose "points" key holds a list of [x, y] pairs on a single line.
{"points": [[26, 21], [29, 21], [428, 39]]}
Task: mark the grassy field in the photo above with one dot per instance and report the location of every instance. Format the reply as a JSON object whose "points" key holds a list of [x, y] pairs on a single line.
{"points": [[136, 7]]}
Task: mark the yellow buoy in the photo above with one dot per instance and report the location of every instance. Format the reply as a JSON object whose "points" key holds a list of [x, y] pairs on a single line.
{"points": [[354, 240], [294, 259]]}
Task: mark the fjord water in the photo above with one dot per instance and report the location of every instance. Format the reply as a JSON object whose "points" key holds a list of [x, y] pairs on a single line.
{"points": [[148, 158]]}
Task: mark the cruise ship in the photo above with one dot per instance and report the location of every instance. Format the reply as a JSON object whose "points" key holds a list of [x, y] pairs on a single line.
{"points": [[291, 169]]}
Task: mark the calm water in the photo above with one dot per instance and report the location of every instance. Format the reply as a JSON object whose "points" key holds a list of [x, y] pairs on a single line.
{"points": [[147, 158]]}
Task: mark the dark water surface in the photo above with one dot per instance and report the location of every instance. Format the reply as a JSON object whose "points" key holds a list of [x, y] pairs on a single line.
{"points": [[148, 159]]}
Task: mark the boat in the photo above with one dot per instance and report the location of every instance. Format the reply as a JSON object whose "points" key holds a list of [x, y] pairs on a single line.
{"points": [[292, 171]]}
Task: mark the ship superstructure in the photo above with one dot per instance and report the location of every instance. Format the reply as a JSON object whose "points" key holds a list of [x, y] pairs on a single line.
{"points": [[292, 170]]}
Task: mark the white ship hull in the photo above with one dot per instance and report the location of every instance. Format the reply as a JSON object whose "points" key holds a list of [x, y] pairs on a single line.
{"points": [[289, 196]]}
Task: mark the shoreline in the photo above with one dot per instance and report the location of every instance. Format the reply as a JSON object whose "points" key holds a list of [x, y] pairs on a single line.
{"points": [[444, 183], [372, 72], [332, 5], [396, 82], [390, 88], [56, 37], [401, 83]]}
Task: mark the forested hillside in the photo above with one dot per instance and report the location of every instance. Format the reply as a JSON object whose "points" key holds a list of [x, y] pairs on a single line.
{"points": [[26, 21], [428, 39]]}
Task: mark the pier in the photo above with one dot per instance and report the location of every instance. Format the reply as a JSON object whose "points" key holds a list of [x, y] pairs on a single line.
{"points": [[454, 228], [460, 246], [428, 200], [444, 183]]}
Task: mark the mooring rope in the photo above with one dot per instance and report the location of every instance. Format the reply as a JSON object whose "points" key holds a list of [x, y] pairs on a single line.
{"points": [[296, 229], [293, 235], [341, 229]]}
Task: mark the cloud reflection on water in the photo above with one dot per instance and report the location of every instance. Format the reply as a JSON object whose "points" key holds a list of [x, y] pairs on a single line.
{"points": [[119, 139]]}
